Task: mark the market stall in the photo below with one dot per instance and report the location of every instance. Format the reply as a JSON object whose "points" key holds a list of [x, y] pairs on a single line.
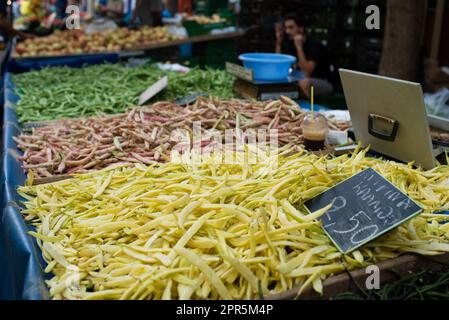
{"points": [[95, 37], [129, 179], [75, 42], [154, 118], [21, 251]]}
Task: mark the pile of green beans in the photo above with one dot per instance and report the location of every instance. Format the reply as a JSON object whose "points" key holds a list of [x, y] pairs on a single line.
{"points": [[423, 285], [217, 83], [63, 92]]}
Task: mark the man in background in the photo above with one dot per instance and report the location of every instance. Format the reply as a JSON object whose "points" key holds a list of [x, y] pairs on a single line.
{"points": [[312, 59], [171, 6], [149, 12]]}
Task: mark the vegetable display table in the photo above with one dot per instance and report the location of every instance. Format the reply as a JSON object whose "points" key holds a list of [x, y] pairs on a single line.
{"points": [[154, 46], [25, 259]]}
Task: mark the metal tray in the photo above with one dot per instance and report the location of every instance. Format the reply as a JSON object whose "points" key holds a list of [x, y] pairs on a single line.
{"points": [[438, 122]]}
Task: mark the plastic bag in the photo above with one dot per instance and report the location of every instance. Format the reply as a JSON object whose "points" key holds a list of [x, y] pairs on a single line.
{"points": [[438, 103]]}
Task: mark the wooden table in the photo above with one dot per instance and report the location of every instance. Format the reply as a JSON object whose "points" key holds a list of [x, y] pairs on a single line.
{"points": [[196, 39]]}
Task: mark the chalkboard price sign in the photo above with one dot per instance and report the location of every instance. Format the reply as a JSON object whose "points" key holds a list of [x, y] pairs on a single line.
{"points": [[364, 207]]}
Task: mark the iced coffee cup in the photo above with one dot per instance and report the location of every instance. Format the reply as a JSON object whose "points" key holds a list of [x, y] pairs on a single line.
{"points": [[314, 130]]}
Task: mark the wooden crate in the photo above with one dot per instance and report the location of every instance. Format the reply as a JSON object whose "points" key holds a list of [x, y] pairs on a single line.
{"points": [[390, 271]]}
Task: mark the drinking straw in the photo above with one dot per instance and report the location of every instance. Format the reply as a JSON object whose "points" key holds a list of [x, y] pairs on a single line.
{"points": [[311, 99]]}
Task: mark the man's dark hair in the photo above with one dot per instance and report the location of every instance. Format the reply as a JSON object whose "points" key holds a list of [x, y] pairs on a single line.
{"points": [[299, 20]]}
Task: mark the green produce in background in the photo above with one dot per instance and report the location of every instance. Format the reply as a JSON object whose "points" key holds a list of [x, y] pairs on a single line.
{"points": [[426, 284], [63, 92]]}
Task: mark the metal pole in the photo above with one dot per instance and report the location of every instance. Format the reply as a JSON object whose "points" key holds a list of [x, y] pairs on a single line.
{"points": [[91, 7]]}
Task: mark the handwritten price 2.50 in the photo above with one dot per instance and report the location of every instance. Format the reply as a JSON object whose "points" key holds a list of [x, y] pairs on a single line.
{"points": [[358, 234]]}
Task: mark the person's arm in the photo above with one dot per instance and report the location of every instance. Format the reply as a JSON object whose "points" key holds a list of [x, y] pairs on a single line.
{"points": [[306, 66], [278, 47], [4, 25], [10, 31], [279, 37]]}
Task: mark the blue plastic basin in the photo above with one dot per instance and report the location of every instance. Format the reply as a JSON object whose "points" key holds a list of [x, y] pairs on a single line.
{"points": [[268, 66]]}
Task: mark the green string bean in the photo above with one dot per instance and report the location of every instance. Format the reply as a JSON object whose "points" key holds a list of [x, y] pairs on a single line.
{"points": [[63, 92], [422, 285]]}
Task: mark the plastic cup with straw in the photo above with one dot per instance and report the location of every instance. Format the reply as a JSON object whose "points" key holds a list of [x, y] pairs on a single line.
{"points": [[315, 127]]}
